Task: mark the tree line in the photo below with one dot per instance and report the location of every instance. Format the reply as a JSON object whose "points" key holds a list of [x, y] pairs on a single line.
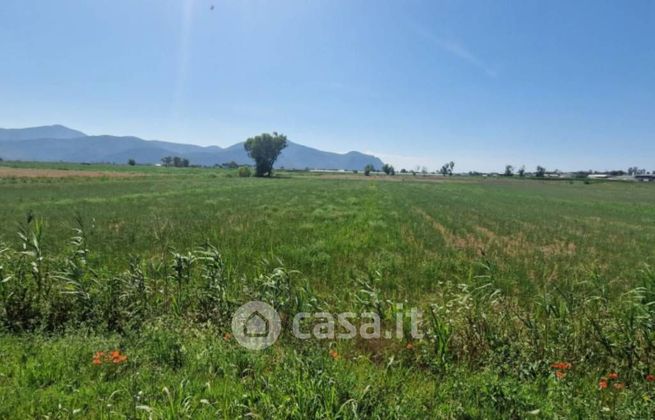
{"points": [[265, 149], [175, 161]]}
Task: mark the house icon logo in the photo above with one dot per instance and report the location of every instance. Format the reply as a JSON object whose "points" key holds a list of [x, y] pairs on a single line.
{"points": [[256, 325]]}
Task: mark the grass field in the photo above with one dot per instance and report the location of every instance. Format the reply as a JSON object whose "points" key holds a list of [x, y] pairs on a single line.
{"points": [[514, 276]]}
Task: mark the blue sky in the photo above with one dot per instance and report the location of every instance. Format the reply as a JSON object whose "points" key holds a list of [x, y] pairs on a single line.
{"points": [[568, 85]]}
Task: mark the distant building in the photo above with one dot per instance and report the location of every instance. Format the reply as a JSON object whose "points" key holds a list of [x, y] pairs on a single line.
{"points": [[645, 177]]}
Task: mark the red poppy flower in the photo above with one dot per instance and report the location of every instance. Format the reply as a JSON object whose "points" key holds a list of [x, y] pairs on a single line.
{"points": [[97, 358], [561, 365]]}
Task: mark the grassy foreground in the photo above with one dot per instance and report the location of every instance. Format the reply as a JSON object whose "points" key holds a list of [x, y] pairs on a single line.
{"points": [[535, 294]]}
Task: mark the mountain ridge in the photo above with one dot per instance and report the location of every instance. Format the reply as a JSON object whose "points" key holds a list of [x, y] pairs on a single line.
{"points": [[55, 131], [60, 143]]}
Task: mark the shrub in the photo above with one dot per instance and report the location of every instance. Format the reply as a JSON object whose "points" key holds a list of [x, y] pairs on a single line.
{"points": [[245, 172]]}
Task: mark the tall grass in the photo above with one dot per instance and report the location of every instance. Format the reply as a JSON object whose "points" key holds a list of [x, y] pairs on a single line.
{"points": [[512, 277]]}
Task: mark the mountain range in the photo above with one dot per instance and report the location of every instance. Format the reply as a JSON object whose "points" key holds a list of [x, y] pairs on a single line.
{"points": [[56, 143]]}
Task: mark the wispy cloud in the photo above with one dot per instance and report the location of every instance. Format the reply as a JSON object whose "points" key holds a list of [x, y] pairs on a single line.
{"points": [[464, 54], [456, 49]]}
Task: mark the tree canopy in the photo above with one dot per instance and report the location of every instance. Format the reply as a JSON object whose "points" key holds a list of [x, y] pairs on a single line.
{"points": [[447, 169], [264, 149], [388, 169], [175, 161]]}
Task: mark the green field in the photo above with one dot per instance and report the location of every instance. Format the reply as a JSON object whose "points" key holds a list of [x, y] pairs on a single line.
{"points": [[513, 275]]}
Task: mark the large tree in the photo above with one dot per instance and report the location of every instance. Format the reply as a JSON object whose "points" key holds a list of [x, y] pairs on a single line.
{"points": [[447, 169], [264, 150]]}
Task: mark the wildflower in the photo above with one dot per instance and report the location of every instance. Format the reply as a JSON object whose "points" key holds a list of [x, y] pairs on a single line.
{"points": [[650, 377], [120, 359], [334, 355], [619, 386], [117, 357], [409, 346], [97, 358], [602, 384], [561, 365], [560, 374], [613, 375], [227, 336]]}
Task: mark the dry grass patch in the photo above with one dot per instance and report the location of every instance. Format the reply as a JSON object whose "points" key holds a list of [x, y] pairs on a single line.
{"points": [[469, 241], [61, 173]]}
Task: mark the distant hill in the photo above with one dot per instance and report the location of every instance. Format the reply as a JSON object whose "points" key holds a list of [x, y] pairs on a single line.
{"points": [[59, 143], [45, 132]]}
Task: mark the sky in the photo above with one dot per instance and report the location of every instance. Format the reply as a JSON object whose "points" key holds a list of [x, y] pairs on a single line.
{"points": [[566, 85]]}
